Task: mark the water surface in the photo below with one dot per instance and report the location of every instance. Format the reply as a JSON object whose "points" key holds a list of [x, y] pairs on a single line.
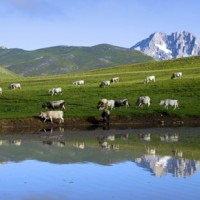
{"points": [[159, 163]]}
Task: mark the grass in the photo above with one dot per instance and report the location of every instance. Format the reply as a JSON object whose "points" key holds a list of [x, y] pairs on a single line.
{"points": [[82, 101]]}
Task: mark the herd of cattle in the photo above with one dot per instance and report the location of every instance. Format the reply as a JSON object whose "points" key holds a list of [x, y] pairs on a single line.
{"points": [[55, 108]]}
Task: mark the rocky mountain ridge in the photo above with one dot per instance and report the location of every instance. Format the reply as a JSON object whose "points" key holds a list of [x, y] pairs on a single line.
{"points": [[161, 46]]}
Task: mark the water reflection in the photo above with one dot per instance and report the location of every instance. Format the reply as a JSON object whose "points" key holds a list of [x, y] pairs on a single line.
{"points": [[161, 165], [85, 163]]}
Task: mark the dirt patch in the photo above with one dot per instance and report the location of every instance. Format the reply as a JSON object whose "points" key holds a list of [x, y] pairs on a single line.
{"points": [[33, 125]]}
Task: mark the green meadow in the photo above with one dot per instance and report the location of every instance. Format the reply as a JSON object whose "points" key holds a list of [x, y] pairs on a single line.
{"points": [[81, 101]]}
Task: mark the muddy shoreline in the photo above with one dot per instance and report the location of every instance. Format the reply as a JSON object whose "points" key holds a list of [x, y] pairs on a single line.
{"points": [[34, 125]]}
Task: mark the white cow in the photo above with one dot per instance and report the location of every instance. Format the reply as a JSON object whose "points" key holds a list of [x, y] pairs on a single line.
{"points": [[14, 86], [169, 102], [80, 82], [52, 115], [111, 104], [53, 91], [149, 79], [114, 80], [1, 90], [104, 84], [142, 101], [177, 75]]}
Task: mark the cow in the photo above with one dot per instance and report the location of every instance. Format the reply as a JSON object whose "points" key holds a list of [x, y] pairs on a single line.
{"points": [[53, 91], [149, 79], [52, 115], [114, 80], [104, 84], [60, 104], [1, 90], [80, 82], [169, 102], [120, 103], [177, 75], [111, 104], [102, 104], [14, 86], [143, 100]]}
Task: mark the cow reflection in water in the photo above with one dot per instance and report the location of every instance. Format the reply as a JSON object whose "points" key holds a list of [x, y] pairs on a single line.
{"points": [[54, 143], [16, 142], [79, 145], [150, 150], [104, 142], [53, 129], [169, 138], [145, 136]]}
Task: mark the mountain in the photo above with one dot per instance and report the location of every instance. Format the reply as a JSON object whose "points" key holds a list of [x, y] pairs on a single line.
{"points": [[162, 46], [67, 59]]}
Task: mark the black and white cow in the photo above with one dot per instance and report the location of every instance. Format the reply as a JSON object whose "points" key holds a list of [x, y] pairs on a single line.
{"points": [[104, 84], [60, 104], [120, 103], [14, 86], [177, 75]]}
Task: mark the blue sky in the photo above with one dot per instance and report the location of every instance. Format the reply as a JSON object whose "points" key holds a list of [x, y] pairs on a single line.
{"points": [[34, 24]]}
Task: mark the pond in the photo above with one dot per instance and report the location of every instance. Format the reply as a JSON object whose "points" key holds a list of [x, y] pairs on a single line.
{"points": [[155, 163]]}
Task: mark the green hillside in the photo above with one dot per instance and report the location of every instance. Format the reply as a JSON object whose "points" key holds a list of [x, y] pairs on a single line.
{"points": [[7, 74], [81, 101], [67, 59]]}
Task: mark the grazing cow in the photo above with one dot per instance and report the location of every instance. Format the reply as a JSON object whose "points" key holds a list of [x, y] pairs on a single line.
{"points": [[104, 84], [120, 103], [114, 80], [102, 104], [1, 90], [149, 79], [177, 75], [52, 115], [111, 104], [142, 101], [53, 91], [80, 82], [169, 102], [60, 104], [14, 86]]}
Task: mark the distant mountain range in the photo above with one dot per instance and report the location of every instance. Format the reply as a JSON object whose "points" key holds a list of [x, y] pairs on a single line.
{"points": [[162, 46], [67, 59]]}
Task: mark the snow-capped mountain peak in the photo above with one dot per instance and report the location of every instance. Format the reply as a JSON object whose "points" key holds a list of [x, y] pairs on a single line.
{"points": [[162, 46]]}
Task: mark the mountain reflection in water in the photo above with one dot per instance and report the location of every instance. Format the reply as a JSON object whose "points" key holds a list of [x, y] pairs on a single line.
{"points": [[101, 164], [160, 151]]}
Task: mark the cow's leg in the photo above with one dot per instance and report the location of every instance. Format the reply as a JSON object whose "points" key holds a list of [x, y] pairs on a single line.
{"points": [[51, 119]]}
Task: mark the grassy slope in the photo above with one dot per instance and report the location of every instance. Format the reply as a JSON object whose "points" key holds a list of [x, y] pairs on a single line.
{"points": [[82, 101], [66, 59]]}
